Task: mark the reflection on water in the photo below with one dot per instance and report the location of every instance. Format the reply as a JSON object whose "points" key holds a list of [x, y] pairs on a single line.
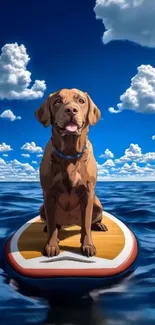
{"points": [[66, 310], [79, 312]]}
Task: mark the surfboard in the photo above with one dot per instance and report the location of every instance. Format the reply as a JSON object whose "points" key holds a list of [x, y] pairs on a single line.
{"points": [[117, 251]]}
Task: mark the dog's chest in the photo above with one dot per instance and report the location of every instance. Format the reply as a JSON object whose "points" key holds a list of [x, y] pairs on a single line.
{"points": [[68, 209], [68, 194], [72, 176]]}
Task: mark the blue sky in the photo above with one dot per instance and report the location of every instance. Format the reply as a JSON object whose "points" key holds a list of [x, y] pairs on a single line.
{"points": [[106, 48]]}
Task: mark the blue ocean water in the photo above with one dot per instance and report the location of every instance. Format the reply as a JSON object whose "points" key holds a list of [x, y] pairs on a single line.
{"points": [[132, 301]]}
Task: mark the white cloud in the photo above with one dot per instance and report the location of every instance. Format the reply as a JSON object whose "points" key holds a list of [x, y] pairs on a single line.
{"points": [[153, 137], [26, 155], [148, 166], [101, 170], [5, 155], [131, 20], [14, 170], [8, 114], [134, 153], [134, 165], [15, 80], [109, 163], [107, 154], [2, 162], [40, 155], [31, 147], [133, 168], [140, 96], [5, 147], [149, 156], [34, 162], [128, 172]]}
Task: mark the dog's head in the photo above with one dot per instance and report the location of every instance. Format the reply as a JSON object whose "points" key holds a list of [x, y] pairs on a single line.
{"points": [[69, 110]]}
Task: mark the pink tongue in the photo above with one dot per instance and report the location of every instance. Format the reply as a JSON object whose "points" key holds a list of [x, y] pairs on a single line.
{"points": [[71, 127]]}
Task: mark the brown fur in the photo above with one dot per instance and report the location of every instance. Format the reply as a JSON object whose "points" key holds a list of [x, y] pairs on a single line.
{"points": [[68, 184]]}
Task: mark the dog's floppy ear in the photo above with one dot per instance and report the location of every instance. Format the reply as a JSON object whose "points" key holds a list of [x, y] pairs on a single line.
{"points": [[94, 113], [44, 112]]}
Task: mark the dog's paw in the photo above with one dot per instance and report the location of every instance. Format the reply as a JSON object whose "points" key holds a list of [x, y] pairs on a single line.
{"points": [[99, 227], [51, 250], [88, 250]]}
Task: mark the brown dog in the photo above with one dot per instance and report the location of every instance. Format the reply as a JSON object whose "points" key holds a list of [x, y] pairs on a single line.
{"points": [[68, 169]]}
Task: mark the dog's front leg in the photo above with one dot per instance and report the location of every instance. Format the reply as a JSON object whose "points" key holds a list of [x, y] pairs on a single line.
{"points": [[87, 246], [51, 248]]}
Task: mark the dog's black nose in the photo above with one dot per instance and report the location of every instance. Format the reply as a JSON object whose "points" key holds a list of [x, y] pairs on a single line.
{"points": [[71, 111]]}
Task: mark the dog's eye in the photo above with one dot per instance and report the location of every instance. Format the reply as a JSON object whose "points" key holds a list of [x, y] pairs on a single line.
{"points": [[58, 101], [81, 101]]}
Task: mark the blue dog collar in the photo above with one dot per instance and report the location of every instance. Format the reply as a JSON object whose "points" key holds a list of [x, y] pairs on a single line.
{"points": [[60, 154]]}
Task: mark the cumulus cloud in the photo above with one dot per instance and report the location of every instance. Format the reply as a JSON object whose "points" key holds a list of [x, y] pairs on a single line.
{"points": [[8, 114], [14, 170], [40, 155], [153, 137], [15, 80], [107, 154], [134, 153], [101, 170], [149, 156], [34, 162], [126, 172], [131, 20], [31, 147], [133, 165], [109, 163], [105, 169], [26, 155], [140, 96], [2, 162], [134, 169], [5, 147]]}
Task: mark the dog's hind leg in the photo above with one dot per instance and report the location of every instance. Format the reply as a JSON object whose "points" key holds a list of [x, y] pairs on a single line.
{"points": [[43, 218], [97, 216], [42, 213]]}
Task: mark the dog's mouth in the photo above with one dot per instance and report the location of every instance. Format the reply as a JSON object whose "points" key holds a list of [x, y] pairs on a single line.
{"points": [[71, 127]]}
